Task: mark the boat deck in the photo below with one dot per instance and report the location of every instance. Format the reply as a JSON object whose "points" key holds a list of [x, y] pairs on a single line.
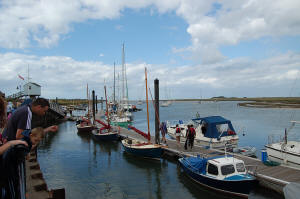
{"points": [[272, 177]]}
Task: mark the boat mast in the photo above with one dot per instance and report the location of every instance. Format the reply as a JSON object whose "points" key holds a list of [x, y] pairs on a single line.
{"points": [[106, 105], [114, 83], [147, 105], [87, 98], [123, 75]]}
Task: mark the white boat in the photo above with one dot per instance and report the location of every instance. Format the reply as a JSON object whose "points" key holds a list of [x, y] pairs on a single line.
{"points": [[286, 152], [213, 131]]}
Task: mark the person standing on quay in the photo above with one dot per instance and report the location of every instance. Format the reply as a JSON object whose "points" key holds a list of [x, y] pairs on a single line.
{"points": [[6, 146], [21, 119], [163, 130], [178, 134], [192, 136]]}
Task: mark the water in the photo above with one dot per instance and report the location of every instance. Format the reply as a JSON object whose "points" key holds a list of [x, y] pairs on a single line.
{"points": [[90, 169]]}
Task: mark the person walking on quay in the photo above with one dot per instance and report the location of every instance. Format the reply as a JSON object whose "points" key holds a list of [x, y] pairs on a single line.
{"points": [[178, 134], [21, 119], [192, 135], [163, 130]]}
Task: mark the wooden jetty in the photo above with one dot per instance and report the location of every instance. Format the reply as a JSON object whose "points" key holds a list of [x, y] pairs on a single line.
{"points": [[271, 177]]}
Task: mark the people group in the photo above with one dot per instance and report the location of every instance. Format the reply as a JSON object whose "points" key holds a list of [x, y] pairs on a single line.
{"points": [[17, 129]]}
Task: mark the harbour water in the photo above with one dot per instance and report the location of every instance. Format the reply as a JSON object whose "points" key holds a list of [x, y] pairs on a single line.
{"points": [[90, 169]]}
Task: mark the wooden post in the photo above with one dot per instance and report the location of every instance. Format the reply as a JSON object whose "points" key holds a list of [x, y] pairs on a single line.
{"points": [[156, 111], [96, 104]]}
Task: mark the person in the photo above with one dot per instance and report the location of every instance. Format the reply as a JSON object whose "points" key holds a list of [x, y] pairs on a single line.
{"points": [[178, 134], [33, 137], [192, 135], [4, 147], [203, 129], [187, 134], [3, 118], [21, 119], [163, 130]]}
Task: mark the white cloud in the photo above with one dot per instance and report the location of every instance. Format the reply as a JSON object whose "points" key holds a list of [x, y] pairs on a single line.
{"points": [[24, 22], [65, 77]]}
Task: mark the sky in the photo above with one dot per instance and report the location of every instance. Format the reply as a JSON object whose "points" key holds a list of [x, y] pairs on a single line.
{"points": [[196, 48]]}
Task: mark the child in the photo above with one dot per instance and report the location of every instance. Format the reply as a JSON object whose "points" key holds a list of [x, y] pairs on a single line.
{"points": [[33, 137]]}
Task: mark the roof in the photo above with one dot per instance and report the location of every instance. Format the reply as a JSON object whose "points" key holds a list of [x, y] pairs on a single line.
{"points": [[213, 119], [33, 84], [225, 160]]}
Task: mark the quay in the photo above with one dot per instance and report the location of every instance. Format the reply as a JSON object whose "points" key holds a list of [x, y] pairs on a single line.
{"points": [[274, 178]]}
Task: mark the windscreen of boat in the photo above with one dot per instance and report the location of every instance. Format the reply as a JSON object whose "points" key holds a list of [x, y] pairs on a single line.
{"points": [[222, 128], [240, 167], [212, 169], [227, 169]]}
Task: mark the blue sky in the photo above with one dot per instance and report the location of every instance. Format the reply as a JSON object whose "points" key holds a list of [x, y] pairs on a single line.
{"points": [[249, 48]]}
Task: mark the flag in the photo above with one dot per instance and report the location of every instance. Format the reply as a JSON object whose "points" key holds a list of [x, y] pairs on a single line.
{"points": [[22, 78]]}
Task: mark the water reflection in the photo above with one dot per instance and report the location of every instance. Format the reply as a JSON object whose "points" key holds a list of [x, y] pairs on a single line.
{"points": [[153, 169]]}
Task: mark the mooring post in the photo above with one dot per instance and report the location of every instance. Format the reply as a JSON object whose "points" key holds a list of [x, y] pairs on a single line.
{"points": [[156, 111], [96, 104], [93, 94]]}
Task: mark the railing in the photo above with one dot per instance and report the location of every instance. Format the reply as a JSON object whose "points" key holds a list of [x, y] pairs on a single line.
{"points": [[57, 108], [16, 95], [14, 185]]}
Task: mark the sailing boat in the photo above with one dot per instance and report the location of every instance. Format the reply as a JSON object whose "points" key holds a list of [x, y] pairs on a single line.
{"points": [[105, 133], [84, 125], [139, 148], [123, 117]]}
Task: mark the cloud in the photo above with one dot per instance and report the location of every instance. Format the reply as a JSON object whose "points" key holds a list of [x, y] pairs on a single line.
{"points": [[101, 55], [65, 77], [211, 23]]}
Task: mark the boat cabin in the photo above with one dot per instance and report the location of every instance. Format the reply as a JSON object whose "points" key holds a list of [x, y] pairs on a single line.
{"points": [[225, 168], [215, 126]]}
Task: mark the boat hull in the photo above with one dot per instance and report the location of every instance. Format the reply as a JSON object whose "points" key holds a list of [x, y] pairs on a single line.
{"points": [[111, 136], [84, 129], [239, 188], [149, 152], [121, 124], [282, 156]]}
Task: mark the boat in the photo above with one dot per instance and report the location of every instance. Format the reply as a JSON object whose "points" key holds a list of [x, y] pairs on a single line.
{"points": [[224, 174], [286, 152], [212, 131], [141, 148], [249, 151], [105, 133], [84, 127], [121, 121]]}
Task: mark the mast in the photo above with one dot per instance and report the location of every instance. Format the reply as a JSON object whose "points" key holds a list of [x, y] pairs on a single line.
{"points": [[147, 105], [123, 74], [106, 105], [114, 83], [87, 98]]}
